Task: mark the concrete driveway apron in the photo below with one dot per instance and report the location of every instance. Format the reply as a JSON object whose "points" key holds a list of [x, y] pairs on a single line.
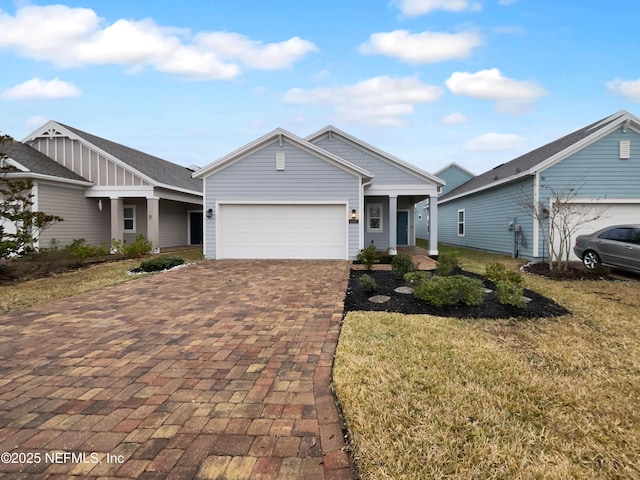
{"points": [[218, 370]]}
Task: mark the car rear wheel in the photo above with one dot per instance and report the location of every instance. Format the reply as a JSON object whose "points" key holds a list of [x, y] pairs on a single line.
{"points": [[591, 260]]}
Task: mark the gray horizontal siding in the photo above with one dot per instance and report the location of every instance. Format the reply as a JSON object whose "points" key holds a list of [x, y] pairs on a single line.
{"points": [[384, 173], [82, 217], [305, 178], [174, 223], [487, 215], [597, 171]]}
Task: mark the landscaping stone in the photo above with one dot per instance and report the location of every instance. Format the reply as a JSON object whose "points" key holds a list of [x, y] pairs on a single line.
{"points": [[379, 299], [404, 290]]}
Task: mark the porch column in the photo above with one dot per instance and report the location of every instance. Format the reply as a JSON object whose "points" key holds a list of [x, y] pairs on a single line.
{"points": [[153, 222], [393, 224], [117, 219], [433, 225]]}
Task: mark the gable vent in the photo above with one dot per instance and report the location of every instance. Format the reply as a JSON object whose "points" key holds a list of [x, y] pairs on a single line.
{"points": [[280, 161], [625, 149]]}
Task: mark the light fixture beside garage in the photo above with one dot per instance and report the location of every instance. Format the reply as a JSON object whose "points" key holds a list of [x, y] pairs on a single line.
{"points": [[210, 213], [353, 218]]}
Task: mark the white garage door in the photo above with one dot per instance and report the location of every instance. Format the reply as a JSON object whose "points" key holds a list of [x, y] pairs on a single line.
{"points": [[282, 231], [612, 214]]}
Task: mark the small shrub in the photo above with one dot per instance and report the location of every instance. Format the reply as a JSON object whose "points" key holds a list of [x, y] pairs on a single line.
{"points": [[447, 263], [158, 264], [416, 278], [367, 256], [495, 272], [451, 290], [367, 283], [402, 264], [510, 293], [81, 250], [139, 247]]}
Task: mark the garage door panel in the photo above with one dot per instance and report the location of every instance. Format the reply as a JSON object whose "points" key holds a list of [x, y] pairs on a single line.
{"points": [[612, 214], [282, 231]]}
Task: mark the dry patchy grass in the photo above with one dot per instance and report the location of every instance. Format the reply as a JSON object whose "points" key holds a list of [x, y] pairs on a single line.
{"points": [[34, 292], [433, 397]]}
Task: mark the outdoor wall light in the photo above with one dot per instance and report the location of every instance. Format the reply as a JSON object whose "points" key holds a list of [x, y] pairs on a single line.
{"points": [[353, 218], [210, 213]]}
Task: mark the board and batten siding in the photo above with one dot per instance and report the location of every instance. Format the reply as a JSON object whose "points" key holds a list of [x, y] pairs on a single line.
{"points": [[306, 178], [596, 173], [86, 162], [82, 216], [487, 217], [383, 172]]}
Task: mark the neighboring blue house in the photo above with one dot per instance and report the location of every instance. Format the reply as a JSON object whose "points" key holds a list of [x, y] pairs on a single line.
{"points": [[454, 175], [602, 162], [322, 197]]}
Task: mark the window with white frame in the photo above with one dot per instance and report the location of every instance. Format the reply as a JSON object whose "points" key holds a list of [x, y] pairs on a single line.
{"points": [[461, 220], [129, 217], [374, 217]]}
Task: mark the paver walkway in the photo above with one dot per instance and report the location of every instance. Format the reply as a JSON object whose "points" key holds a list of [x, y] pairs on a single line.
{"points": [[218, 370]]}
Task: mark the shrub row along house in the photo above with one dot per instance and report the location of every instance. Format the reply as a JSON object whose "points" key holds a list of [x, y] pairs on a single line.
{"points": [[105, 191]]}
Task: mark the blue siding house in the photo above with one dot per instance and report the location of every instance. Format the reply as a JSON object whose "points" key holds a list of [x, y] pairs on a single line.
{"points": [[454, 175], [600, 163], [325, 196]]}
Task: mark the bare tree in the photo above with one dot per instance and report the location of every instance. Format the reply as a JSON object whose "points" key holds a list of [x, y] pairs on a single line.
{"points": [[559, 217]]}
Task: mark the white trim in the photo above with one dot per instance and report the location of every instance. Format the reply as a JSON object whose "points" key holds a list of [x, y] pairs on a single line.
{"points": [[125, 218], [220, 203], [602, 200], [382, 155], [368, 217], [273, 137], [104, 191], [455, 165], [10, 162], [425, 190], [536, 226], [50, 178], [464, 222]]}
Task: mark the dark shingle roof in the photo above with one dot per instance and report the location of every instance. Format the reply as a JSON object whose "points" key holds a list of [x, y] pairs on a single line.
{"points": [[162, 171], [37, 162], [529, 160]]}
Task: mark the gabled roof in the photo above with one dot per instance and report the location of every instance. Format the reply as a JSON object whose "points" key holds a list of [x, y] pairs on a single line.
{"points": [[278, 134], [544, 156], [31, 161], [457, 166], [377, 152], [160, 172]]}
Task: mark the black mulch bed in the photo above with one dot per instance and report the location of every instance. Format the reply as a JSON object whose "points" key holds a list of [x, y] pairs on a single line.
{"points": [[357, 299], [572, 273]]}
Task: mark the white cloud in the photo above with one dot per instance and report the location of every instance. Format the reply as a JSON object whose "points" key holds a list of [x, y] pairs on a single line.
{"points": [[454, 119], [422, 47], [492, 142], [630, 89], [415, 8], [37, 88], [512, 96], [72, 37], [376, 101]]}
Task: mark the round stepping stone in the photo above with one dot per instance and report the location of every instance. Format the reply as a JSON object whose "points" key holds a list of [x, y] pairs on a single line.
{"points": [[404, 290], [526, 299], [487, 290], [379, 299]]}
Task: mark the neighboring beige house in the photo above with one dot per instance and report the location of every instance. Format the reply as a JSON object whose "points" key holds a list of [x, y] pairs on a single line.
{"points": [[105, 191]]}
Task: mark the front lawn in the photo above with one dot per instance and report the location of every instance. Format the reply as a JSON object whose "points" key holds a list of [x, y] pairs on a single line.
{"points": [[433, 397]]}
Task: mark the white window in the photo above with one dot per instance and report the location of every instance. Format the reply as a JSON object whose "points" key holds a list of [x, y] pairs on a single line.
{"points": [[374, 217], [461, 223], [129, 217]]}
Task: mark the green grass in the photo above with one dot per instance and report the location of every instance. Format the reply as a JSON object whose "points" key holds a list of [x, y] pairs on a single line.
{"points": [[432, 397], [35, 292]]}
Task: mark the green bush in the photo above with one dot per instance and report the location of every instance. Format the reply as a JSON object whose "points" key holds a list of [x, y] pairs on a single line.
{"points": [[402, 264], [416, 278], [367, 283], [447, 263], [158, 264], [367, 256], [510, 293], [495, 272], [139, 247], [451, 290]]}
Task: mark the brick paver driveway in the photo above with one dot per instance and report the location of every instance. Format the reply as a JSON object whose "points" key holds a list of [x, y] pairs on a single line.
{"points": [[218, 370]]}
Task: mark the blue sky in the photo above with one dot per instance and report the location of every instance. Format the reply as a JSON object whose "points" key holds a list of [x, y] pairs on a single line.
{"points": [[476, 82]]}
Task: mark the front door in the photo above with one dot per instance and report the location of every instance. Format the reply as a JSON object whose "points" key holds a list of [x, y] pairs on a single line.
{"points": [[195, 228], [402, 232]]}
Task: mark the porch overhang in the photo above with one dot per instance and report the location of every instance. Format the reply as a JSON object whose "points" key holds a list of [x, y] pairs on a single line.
{"points": [[420, 192]]}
